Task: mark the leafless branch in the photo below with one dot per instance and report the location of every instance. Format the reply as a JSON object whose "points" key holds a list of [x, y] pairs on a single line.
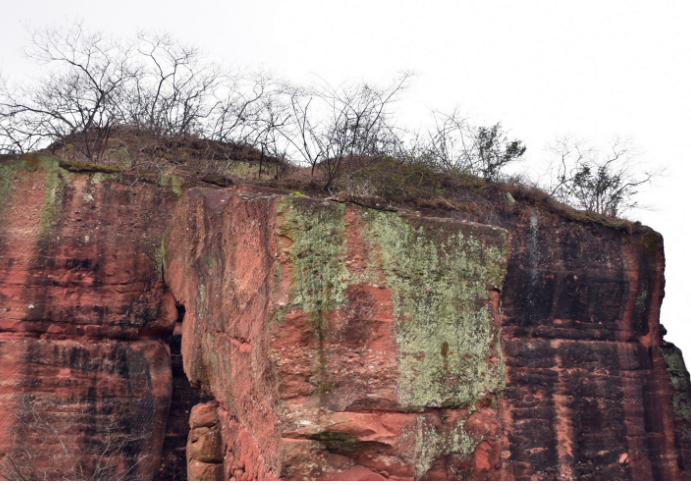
{"points": [[604, 181]]}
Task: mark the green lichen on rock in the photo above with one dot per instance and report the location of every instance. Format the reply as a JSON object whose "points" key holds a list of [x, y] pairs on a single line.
{"points": [[679, 377], [317, 252], [432, 443], [15, 168], [173, 181], [440, 273], [161, 258], [100, 177], [201, 301], [240, 169], [56, 180], [7, 181]]}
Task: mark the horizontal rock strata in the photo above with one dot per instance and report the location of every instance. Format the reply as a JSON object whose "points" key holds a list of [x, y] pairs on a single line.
{"points": [[155, 327]]}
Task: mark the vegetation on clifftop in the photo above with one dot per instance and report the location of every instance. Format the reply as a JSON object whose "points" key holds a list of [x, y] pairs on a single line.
{"points": [[162, 107]]}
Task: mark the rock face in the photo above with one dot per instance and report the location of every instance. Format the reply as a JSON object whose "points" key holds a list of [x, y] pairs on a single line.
{"points": [[369, 340], [85, 383], [589, 394], [323, 340]]}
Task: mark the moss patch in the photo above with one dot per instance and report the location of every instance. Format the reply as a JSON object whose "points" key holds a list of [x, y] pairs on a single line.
{"points": [[219, 180], [173, 181], [87, 167], [440, 274], [338, 442]]}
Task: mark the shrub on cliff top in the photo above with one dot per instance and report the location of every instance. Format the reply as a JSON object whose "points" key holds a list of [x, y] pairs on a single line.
{"points": [[169, 100]]}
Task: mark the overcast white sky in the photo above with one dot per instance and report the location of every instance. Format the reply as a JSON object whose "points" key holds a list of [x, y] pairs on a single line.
{"points": [[590, 69]]}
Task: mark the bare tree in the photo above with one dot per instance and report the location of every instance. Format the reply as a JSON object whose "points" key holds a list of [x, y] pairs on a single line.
{"points": [[479, 150], [240, 114], [604, 181], [88, 73], [447, 140], [332, 125], [158, 93], [155, 84], [252, 114], [173, 95]]}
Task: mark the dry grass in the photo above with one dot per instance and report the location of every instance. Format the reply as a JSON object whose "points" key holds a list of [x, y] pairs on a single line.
{"points": [[383, 182]]}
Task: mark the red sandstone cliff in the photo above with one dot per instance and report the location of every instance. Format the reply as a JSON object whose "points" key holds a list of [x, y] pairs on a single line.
{"points": [[325, 340], [86, 374]]}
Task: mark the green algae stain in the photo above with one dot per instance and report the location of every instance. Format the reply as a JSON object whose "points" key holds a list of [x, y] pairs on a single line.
{"points": [[319, 277], [161, 258], [338, 442], [175, 183], [201, 301], [56, 181], [439, 273], [317, 233]]}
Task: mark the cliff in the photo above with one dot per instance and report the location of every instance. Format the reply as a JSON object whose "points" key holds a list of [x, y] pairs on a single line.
{"points": [[325, 340]]}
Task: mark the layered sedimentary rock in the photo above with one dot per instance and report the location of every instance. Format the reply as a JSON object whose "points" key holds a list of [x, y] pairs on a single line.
{"points": [[322, 339], [85, 384], [369, 340], [588, 390]]}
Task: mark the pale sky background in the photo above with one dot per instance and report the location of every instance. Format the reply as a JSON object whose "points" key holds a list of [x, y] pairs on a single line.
{"points": [[590, 69]]}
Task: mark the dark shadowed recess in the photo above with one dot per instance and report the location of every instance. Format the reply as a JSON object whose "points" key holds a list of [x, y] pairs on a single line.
{"points": [[173, 456]]}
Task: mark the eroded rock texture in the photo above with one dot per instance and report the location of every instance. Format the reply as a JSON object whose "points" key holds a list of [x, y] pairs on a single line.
{"points": [[368, 340], [85, 384], [153, 329], [588, 391]]}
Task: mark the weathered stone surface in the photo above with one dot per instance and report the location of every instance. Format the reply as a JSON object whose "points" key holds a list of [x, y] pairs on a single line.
{"points": [[355, 303], [588, 395], [368, 340], [81, 301], [331, 341]]}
